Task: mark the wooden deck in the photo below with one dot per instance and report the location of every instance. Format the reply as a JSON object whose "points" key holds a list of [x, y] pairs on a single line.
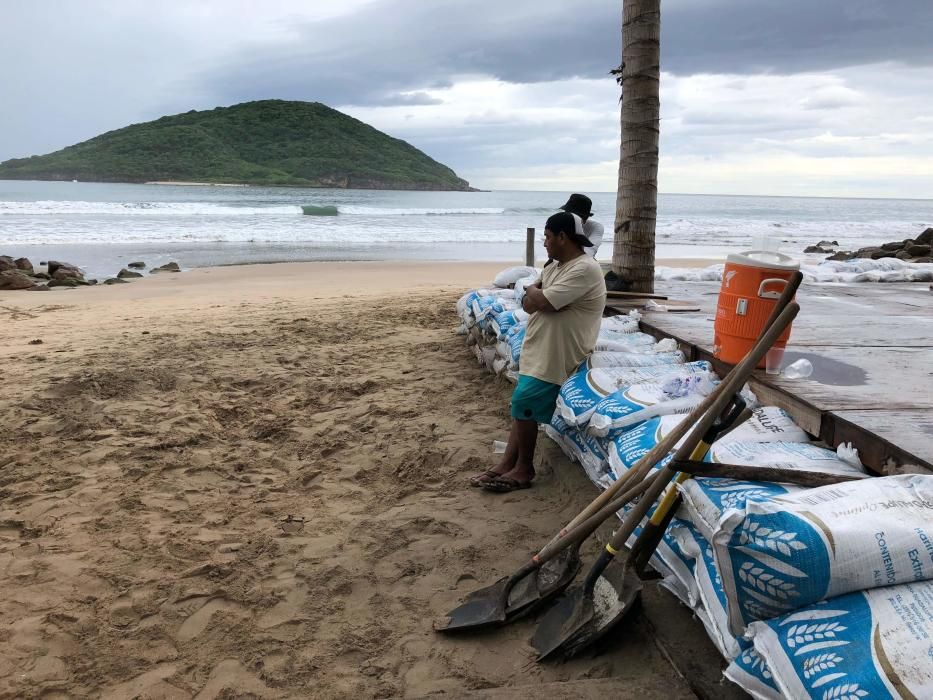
{"points": [[871, 346]]}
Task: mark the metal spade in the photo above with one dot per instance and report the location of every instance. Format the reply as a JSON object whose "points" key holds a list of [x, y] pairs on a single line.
{"points": [[607, 596], [545, 576]]}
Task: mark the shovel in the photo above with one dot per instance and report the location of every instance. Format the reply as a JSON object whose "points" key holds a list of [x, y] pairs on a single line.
{"points": [[545, 576], [585, 615], [550, 627], [552, 569]]}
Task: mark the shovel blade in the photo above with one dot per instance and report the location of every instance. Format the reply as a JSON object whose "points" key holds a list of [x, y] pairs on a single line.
{"points": [[481, 608], [547, 582], [580, 620], [572, 613], [484, 607]]}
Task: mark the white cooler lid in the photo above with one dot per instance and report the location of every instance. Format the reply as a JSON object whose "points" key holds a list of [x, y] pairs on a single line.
{"points": [[768, 259]]}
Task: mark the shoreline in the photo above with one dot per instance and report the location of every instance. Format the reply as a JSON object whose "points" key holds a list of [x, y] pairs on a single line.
{"points": [[308, 280], [182, 183]]}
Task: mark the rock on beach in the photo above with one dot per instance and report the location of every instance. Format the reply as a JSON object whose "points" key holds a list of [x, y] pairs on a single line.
{"points": [[167, 267], [917, 249], [15, 279]]}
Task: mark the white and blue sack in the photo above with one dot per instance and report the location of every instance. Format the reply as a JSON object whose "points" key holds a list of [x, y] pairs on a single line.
{"points": [[791, 551]]}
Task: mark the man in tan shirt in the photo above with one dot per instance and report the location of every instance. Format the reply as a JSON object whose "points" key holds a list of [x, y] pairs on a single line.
{"points": [[566, 305]]}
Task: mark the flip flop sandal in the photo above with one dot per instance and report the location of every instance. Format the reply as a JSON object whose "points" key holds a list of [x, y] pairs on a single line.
{"points": [[506, 485], [486, 477]]}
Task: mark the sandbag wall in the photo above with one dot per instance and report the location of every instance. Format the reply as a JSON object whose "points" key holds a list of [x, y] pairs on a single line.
{"points": [[807, 592]]}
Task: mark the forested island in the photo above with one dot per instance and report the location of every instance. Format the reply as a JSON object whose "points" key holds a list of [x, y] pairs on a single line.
{"points": [[268, 142]]}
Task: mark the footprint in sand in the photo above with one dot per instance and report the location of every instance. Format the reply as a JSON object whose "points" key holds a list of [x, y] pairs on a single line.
{"points": [[287, 610], [122, 613], [230, 679], [205, 607]]}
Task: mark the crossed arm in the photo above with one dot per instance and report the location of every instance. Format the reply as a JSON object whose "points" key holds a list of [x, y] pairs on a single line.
{"points": [[535, 300]]}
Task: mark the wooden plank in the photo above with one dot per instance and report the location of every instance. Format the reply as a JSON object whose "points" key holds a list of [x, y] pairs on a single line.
{"points": [[844, 377], [611, 294], [686, 328], [806, 415], [871, 347], [852, 378], [843, 329], [887, 441], [835, 326]]}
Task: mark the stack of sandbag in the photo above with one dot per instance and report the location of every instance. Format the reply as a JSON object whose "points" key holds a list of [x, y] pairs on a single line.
{"points": [[480, 311], [768, 438], [830, 592], [475, 306], [717, 524], [808, 592], [588, 388], [511, 276], [494, 322]]}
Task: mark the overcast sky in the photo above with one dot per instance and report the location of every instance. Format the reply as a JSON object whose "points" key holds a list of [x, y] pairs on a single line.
{"points": [[789, 97]]}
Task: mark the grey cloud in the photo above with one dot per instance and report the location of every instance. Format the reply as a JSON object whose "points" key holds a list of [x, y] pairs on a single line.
{"points": [[822, 102], [367, 58], [480, 143], [787, 36], [411, 99]]}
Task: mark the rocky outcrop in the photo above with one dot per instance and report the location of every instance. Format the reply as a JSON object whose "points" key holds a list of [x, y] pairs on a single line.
{"points": [[822, 247], [66, 282], [138, 265], [128, 274], [919, 249], [64, 271], [167, 267], [20, 274], [15, 279]]}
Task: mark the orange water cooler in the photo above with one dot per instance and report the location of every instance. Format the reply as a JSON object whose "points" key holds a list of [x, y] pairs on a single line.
{"points": [[752, 282]]}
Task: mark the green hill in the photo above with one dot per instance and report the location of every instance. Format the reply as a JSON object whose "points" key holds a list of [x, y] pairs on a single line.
{"points": [[271, 142]]}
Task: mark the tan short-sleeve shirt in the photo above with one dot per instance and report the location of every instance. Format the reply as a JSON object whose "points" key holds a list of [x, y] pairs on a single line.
{"points": [[557, 341]]}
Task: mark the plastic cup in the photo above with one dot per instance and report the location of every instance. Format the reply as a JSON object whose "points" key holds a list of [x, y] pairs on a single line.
{"points": [[801, 369], [773, 360]]}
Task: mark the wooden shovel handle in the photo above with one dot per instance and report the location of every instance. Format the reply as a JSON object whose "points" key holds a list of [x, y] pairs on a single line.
{"points": [[641, 468], [743, 472], [732, 384], [634, 295]]}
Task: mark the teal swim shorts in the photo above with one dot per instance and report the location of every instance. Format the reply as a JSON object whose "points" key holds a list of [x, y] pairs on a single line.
{"points": [[534, 399]]}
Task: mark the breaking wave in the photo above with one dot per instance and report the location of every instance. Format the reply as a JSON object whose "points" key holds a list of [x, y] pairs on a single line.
{"points": [[58, 207]]}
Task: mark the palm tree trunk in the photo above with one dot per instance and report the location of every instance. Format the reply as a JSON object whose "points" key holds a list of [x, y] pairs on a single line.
{"points": [[637, 198]]}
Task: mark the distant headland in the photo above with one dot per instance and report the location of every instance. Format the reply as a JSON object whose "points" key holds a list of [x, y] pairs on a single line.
{"points": [[266, 143]]}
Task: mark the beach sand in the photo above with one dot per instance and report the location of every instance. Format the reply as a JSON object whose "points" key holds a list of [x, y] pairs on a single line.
{"points": [[250, 482]]}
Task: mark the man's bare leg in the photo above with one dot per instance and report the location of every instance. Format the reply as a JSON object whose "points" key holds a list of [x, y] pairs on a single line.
{"points": [[522, 472], [506, 464]]}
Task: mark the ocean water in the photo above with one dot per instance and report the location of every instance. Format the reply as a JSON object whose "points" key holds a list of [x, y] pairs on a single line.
{"points": [[102, 226]]}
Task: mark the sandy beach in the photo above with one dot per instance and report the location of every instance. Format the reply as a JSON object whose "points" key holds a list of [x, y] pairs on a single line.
{"points": [[250, 482]]}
